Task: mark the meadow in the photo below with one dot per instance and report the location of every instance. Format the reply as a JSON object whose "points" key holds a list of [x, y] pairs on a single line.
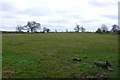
{"points": [[49, 55]]}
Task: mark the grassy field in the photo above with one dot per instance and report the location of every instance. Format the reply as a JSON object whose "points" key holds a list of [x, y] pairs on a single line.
{"points": [[50, 55]]}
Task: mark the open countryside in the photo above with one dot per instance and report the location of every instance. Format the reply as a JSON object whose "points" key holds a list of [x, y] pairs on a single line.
{"points": [[50, 55], [60, 39]]}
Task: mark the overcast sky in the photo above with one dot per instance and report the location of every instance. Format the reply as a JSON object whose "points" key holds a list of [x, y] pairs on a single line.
{"points": [[59, 14]]}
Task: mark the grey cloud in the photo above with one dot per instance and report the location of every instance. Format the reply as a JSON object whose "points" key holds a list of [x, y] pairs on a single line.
{"points": [[6, 6], [8, 15], [110, 16], [8, 27], [8, 10], [36, 12], [100, 4], [88, 21], [74, 16], [61, 21], [65, 19]]}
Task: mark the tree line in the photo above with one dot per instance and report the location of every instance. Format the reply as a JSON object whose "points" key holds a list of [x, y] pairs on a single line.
{"points": [[104, 29], [33, 26]]}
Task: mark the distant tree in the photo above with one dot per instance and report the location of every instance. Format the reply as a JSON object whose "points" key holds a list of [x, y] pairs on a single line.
{"points": [[82, 29], [46, 30], [66, 30], [99, 31], [32, 26], [27, 31], [115, 28], [77, 28], [19, 28], [104, 28], [56, 30]]}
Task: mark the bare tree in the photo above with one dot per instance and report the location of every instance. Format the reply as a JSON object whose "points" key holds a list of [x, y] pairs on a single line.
{"points": [[115, 28], [56, 30], [82, 29], [46, 29], [77, 28], [104, 28], [66, 30], [19, 28], [33, 26], [99, 31]]}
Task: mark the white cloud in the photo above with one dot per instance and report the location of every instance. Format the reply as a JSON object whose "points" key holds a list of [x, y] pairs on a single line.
{"points": [[65, 13]]}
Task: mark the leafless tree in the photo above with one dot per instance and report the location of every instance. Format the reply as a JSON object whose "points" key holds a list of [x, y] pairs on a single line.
{"points": [[46, 29], [19, 28], [104, 28], [82, 29], [33, 26], [115, 28], [66, 30], [77, 28]]}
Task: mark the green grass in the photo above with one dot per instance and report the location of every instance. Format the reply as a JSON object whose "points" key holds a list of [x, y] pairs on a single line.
{"points": [[50, 54]]}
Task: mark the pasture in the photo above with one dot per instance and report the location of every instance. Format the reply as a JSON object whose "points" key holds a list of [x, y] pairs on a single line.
{"points": [[49, 55]]}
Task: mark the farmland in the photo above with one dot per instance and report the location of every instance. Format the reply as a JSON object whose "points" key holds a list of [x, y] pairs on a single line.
{"points": [[42, 55]]}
